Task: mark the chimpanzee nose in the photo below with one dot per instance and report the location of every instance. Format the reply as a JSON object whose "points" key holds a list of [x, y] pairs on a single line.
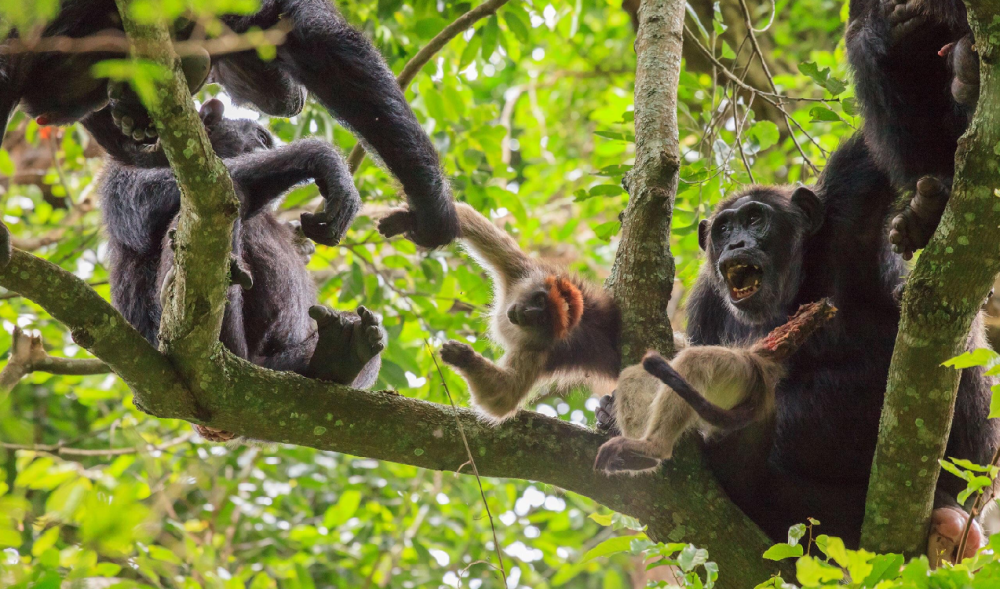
{"points": [[736, 245]]}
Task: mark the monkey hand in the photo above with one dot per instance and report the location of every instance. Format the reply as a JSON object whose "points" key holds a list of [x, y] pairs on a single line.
{"points": [[423, 229], [458, 354], [6, 250], [621, 454], [912, 229], [947, 528], [605, 415], [346, 343]]}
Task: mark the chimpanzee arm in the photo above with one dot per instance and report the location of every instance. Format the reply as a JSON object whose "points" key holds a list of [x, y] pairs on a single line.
{"points": [[348, 76], [138, 205], [263, 176], [10, 91]]}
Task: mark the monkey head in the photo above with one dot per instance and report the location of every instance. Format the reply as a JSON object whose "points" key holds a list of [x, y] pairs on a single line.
{"points": [[754, 243], [544, 310], [233, 137]]}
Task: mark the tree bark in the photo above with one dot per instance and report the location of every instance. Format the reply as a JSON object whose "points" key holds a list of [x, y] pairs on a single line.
{"points": [[949, 283]]}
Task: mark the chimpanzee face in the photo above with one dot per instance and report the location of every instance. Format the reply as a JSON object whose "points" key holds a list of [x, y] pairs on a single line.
{"points": [[755, 244]]}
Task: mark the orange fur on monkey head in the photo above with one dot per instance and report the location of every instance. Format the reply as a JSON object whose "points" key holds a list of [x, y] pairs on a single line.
{"points": [[566, 305]]}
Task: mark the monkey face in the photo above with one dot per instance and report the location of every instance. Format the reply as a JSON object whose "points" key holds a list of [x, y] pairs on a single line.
{"points": [[547, 309], [755, 245]]}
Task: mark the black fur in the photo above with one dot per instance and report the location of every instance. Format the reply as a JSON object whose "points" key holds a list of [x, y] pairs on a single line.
{"points": [[270, 323], [322, 53], [904, 85], [815, 459]]}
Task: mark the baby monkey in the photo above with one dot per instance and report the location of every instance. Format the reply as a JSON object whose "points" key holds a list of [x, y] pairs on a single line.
{"points": [[656, 402], [551, 325]]}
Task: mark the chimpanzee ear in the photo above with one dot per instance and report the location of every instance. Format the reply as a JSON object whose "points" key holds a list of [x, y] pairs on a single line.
{"points": [[811, 206], [211, 112], [703, 234]]}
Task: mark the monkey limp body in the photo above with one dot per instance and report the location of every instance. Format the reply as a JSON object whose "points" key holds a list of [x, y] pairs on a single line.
{"points": [[656, 402], [271, 324], [321, 54], [550, 324]]}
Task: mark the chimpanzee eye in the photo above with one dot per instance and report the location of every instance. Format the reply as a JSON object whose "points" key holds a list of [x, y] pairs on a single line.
{"points": [[263, 138], [755, 218]]}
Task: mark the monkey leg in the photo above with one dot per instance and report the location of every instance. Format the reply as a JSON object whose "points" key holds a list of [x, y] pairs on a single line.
{"points": [[497, 390], [347, 345], [634, 396], [912, 229], [624, 455]]}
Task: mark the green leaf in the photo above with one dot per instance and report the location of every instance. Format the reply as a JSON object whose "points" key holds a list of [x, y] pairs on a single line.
{"points": [[606, 190], [605, 231], [614, 170], [948, 466], [821, 114], [608, 547], [602, 519], [763, 135], [491, 37], [691, 557], [796, 533], [978, 357], [783, 551], [995, 401], [850, 106], [344, 510], [885, 567], [470, 51], [7, 167], [811, 571], [517, 22], [427, 28]]}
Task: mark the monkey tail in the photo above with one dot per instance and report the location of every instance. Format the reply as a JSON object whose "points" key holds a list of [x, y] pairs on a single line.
{"points": [[491, 246], [723, 419]]}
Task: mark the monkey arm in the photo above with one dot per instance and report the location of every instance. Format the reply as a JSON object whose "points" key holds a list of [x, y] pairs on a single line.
{"points": [[262, 177], [497, 389], [492, 246]]}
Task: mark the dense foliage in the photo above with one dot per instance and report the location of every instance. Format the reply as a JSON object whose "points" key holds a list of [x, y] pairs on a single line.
{"points": [[531, 111]]}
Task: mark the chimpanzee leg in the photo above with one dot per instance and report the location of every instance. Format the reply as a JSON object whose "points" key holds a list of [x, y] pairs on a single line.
{"points": [[249, 80], [348, 76]]}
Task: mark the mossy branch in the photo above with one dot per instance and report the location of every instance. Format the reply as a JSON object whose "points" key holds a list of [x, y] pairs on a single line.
{"points": [[944, 294]]}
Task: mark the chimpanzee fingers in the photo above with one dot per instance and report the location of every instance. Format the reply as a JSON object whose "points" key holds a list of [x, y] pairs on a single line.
{"points": [[6, 250], [377, 338], [367, 316], [397, 222], [128, 113], [238, 274], [323, 315], [322, 229]]}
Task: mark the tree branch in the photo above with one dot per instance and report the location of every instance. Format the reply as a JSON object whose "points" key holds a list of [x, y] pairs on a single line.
{"points": [[101, 330], [642, 280], [192, 320], [422, 57], [27, 355], [944, 294]]}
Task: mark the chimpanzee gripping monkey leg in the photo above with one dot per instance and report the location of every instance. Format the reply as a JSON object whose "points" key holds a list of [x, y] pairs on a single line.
{"points": [[341, 68]]}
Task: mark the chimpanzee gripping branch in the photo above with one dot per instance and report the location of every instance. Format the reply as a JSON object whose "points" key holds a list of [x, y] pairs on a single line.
{"points": [[951, 280]]}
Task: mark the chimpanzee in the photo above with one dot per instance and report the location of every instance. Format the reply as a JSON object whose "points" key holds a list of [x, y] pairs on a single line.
{"points": [[321, 53], [267, 318], [917, 77], [770, 249]]}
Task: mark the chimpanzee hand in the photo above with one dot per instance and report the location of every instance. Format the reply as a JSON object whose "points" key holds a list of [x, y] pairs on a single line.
{"points": [[963, 60], [128, 112], [346, 343], [913, 228], [605, 415], [904, 16], [328, 227], [5, 247], [426, 230]]}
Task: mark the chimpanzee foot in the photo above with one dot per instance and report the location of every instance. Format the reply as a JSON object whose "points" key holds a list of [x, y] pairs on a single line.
{"points": [[346, 343], [620, 455], [605, 415], [904, 16], [6, 251], [913, 228], [303, 244], [128, 113], [947, 527], [239, 274]]}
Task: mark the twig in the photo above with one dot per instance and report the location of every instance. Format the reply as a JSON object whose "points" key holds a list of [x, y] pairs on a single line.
{"points": [[976, 507], [472, 461], [422, 57], [60, 450], [27, 355]]}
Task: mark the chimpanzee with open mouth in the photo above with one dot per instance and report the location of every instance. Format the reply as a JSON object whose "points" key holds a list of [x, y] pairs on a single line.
{"points": [[770, 249]]}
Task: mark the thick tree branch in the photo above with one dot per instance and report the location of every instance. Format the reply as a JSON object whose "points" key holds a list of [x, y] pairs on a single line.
{"points": [[102, 331], [642, 279], [423, 57], [951, 280], [189, 329]]}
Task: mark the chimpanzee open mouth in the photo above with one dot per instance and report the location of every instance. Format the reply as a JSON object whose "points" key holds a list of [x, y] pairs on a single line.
{"points": [[742, 278]]}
